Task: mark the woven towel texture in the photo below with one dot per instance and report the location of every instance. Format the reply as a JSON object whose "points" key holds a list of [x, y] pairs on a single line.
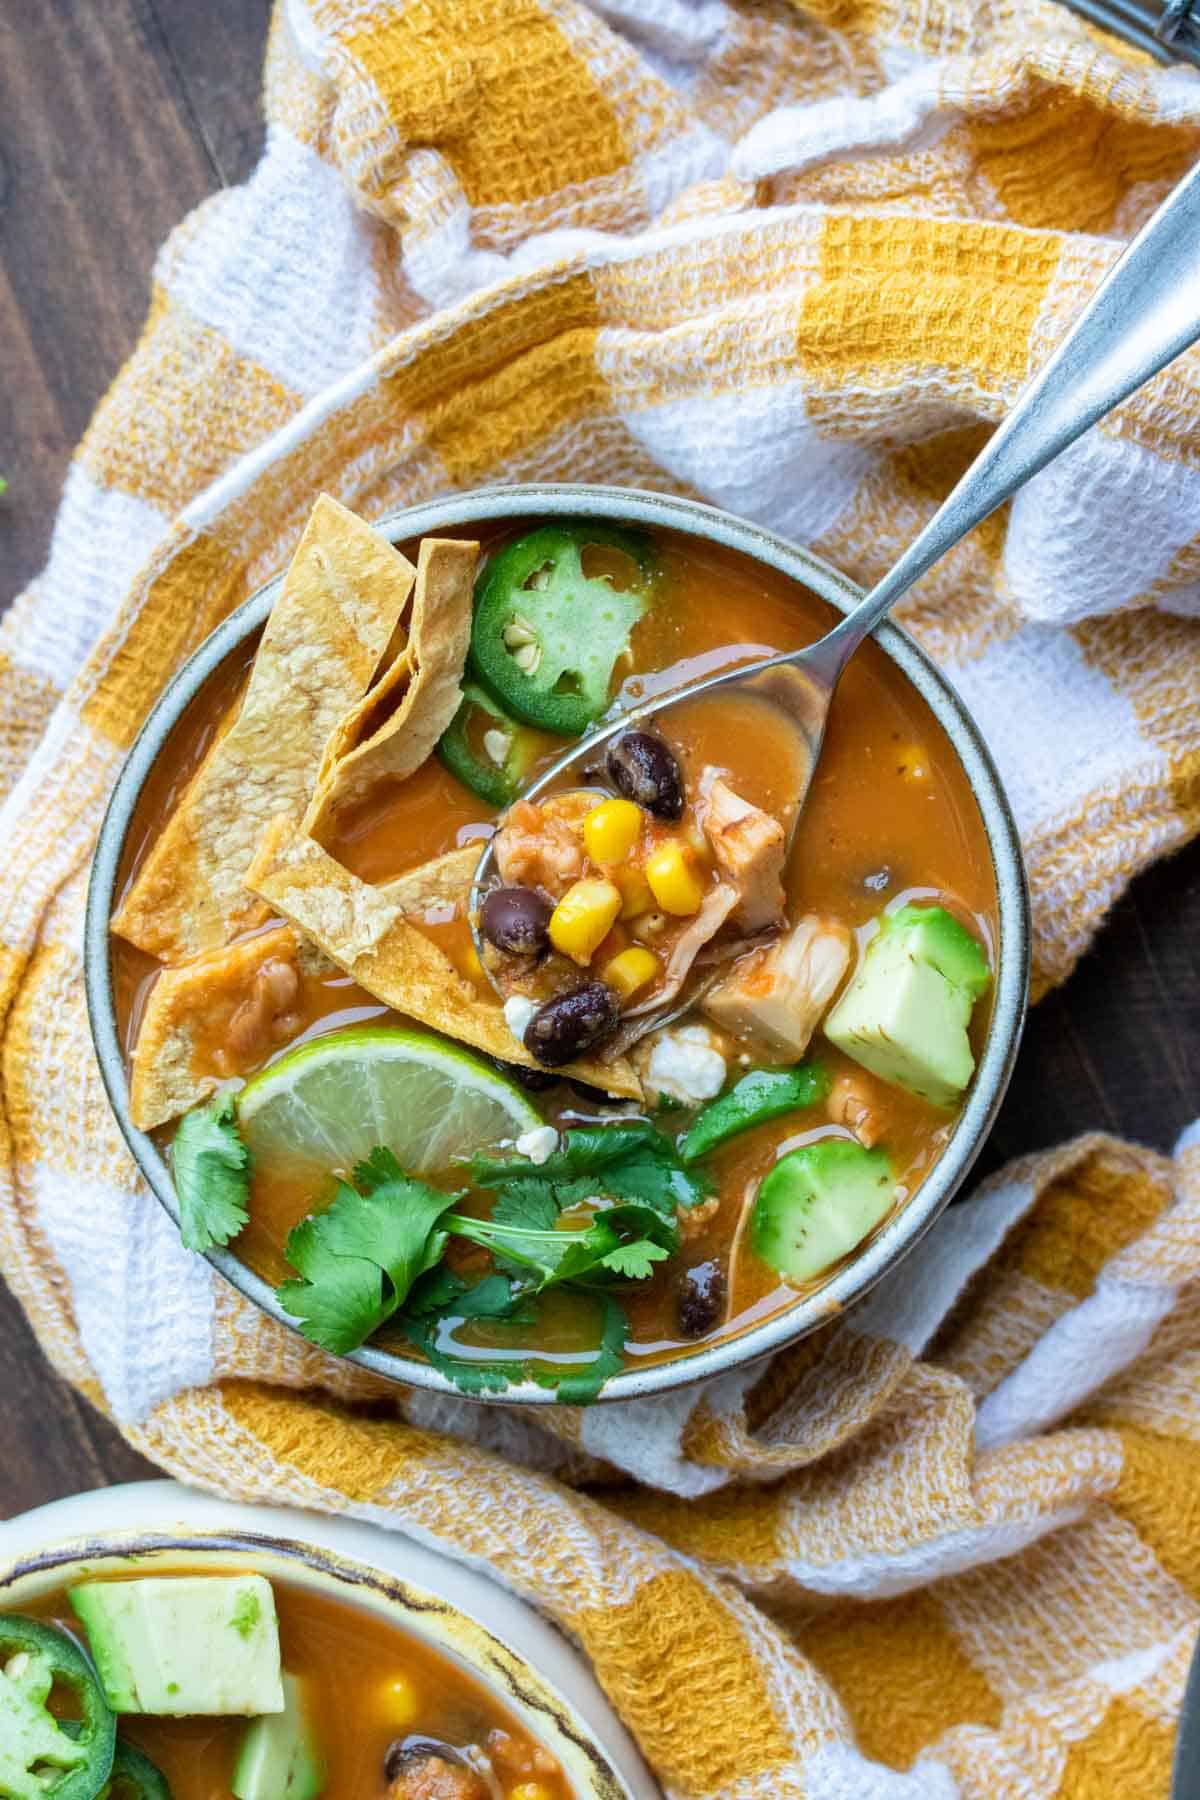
{"points": [[795, 260]]}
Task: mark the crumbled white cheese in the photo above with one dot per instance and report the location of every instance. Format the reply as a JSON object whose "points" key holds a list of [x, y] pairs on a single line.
{"points": [[517, 1013], [538, 1144], [687, 1065], [497, 745]]}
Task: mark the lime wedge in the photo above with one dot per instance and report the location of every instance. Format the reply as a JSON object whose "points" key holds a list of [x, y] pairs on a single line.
{"points": [[327, 1105]]}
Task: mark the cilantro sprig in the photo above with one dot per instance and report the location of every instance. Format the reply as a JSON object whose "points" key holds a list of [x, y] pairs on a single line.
{"points": [[360, 1257], [631, 1160], [211, 1165], [598, 1214]]}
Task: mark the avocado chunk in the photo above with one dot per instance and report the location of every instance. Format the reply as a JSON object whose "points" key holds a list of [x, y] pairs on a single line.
{"points": [[818, 1203], [905, 1013], [278, 1758], [189, 1644]]}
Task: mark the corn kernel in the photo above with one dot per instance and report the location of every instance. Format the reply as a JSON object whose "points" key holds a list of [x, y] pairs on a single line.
{"points": [[399, 1702], [636, 897], [673, 881], [530, 1790], [630, 970], [583, 917], [611, 830]]}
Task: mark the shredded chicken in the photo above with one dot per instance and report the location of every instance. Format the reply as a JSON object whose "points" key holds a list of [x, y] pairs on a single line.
{"points": [[749, 847], [542, 846], [692, 944], [715, 908], [777, 996], [853, 1102]]}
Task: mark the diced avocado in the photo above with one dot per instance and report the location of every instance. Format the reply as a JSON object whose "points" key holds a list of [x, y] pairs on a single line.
{"points": [[905, 1014], [817, 1203], [939, 938], [278, 1759], [182, 1645]]}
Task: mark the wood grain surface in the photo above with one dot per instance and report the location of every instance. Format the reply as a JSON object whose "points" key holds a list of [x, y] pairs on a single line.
{"points": [[114, 120]]}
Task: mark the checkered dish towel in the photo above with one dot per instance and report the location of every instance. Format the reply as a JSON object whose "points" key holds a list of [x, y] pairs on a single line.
{"points": [[795, 260]]}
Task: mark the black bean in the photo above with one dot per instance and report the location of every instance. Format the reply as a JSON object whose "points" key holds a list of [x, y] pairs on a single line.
{"points": [[517, 919], [570, 1024], [643, 767], [700, 1305], [534, 1081], [410, 1752]]}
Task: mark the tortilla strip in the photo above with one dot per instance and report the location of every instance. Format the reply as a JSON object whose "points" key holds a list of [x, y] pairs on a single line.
{"points": [[368, 932], [389, 733], [188, 1029], [342, 600]]}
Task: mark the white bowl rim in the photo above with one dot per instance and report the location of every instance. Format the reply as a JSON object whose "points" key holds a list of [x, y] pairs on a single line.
{"points": [[695, 519]]}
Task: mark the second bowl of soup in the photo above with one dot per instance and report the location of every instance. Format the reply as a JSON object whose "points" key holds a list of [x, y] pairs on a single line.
{"points": [[200, 1647], [691, 1084]]}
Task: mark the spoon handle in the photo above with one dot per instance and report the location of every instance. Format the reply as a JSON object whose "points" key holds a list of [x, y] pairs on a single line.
{"points": [[1144, 313]]}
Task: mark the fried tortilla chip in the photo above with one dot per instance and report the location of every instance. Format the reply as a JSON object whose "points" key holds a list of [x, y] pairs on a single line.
{"points": [[219, 1015], [389, 733], [342, 601], [371, 933]]}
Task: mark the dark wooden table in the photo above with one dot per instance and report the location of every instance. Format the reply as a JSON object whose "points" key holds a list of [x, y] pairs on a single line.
{"points": [[114, 120]]}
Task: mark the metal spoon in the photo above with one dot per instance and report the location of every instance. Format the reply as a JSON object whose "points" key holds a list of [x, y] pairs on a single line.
{"points": [[1145, 312]]}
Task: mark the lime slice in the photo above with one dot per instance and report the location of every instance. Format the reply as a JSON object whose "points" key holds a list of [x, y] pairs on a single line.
{"points": [[327, 1105]]}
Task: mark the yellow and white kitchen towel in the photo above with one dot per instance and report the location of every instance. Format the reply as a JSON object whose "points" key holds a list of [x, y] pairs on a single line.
{"points": [[794, 259]]}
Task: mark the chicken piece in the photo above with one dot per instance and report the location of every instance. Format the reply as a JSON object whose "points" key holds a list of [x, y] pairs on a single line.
{"points": [[715, 909], [542, 846], [854, 1102], [420, 1769], [777, 996], [749, 847]]}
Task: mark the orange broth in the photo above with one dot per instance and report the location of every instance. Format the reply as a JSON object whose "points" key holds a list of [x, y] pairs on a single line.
{"points": [[890, 817], [366, 1684]]}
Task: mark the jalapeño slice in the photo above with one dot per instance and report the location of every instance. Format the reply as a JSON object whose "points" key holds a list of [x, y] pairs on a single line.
{"points": [[479, 727], [41, 1757], [135, 1777], [547, 637], [763, 1094]]}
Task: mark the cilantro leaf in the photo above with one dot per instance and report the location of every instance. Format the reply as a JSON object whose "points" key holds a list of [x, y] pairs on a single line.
{"points": [[529, 1204], [634, 1261], [494, 1298], [340, 1300], [476, 1375], [212, 1175], [471, 1375], [359, 1258], [433, 1292], [627, 1160], [582, 1388]]}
